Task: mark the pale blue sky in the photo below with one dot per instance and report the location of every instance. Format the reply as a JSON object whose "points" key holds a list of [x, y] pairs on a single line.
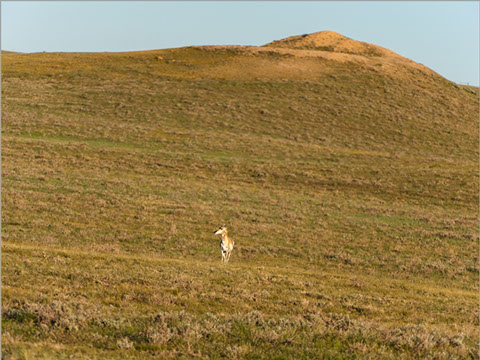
{"points": [[441, 35]]}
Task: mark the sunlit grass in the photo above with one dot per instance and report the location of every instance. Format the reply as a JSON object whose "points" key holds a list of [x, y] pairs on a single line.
{"points": [[351, 195]]}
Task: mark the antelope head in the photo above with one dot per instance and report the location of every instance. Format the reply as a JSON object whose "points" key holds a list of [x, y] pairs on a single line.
{"points": [[221, 230]]}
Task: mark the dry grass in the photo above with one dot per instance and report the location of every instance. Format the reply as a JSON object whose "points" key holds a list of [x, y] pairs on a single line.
{"points": [[351, 192]]}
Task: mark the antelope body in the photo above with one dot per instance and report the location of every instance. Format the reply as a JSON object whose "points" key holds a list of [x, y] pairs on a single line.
{"points": [[226, 244]]}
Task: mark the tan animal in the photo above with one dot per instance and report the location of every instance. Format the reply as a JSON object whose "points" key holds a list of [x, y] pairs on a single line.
{"points": [[226, 244]]}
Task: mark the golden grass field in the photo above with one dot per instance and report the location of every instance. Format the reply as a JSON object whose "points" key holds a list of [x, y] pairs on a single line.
{"points": [[346, 174]]}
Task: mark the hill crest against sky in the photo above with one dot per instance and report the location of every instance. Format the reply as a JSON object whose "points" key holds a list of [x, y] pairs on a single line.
{"points": [[295, 54], [332, 41]]}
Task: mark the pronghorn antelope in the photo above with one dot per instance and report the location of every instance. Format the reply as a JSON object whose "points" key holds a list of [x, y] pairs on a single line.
{"points": [[226, 244]]}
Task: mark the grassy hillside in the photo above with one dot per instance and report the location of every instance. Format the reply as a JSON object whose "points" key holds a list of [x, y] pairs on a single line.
{"points": [[348, 181]]}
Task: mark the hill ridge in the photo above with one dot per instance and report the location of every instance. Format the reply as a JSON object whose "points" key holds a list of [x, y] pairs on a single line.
{"points": [[334, 42]]}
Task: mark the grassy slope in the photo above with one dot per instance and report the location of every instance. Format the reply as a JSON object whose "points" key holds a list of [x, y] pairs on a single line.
{"points": [[351, 194]]}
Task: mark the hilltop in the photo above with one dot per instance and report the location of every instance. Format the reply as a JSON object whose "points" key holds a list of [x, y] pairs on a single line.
{"points": [[333, 42], [347, 175]]}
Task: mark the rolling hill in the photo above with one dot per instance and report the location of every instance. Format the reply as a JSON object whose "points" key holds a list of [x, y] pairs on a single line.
{"points": [[346, 174]]}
